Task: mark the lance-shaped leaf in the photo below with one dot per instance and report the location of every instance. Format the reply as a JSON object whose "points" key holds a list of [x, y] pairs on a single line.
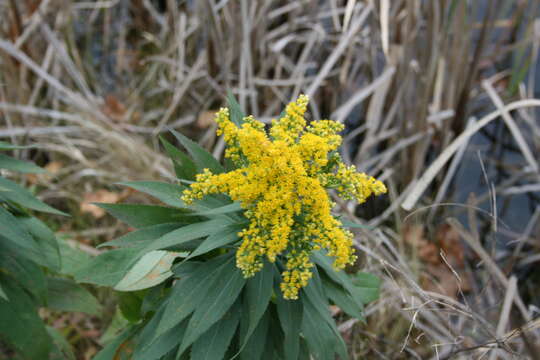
{"points": [[160, 346], [45, 238], [235, 111], [19, 195], [188, 233], [20, 325], [339, 277], [217, 240], [234, 207], [256, 344], [26, 273], [223, 292], [366, 287], [214, 343], [342, 298], [203, 159], [7, 146], [322, 339], [290, 313], [139, 215], [142, 236], [113, 349], [189, 292], [16, 238], [316, 297], [150, 270], [109, 268], [63, 349], [9, 163], [66, 295], [257, 295], [167, 193], [184, 167]]}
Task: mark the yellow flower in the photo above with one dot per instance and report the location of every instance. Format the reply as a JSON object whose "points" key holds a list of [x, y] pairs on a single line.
{"points": [[281, 182]]}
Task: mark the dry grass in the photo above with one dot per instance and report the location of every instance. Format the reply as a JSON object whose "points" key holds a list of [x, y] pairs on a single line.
{"points": [[94, 82]]}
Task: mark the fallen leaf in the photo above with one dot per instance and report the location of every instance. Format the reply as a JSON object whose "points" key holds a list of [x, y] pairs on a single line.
{"points": [[427, 250], [101, 195], [54, 167], [439, 273], [114, 109], [205, 119], [449, 241]]}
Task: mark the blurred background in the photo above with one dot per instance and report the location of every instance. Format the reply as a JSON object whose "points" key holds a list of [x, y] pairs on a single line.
{"points": [[438, 102]]}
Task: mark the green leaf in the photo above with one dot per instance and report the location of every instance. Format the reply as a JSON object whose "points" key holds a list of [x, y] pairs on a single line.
{"points": [[217, 240], [318, 335], [167, 193], [139, 215], [171, 195], [66, 295], [20, 325], [223, 292], [50, 251], [23, 197], [343, 299], [256, 343], [203, 159], [114, 348], [214, 343], [150, 270], [18, 240], [142, 236], [315, 293], [7, 146], [188, 233], [130, 305], [158, 347], [26, 273], [234, 207], [290, 313], [109, 268], [316, 297], [118, 324], [184, 167], [339, 277], [189, 292], [351, 224], [366, 287], [274, 344], [73, 259], [63, 350], [7, 162], [258, 294], [235, 111]]}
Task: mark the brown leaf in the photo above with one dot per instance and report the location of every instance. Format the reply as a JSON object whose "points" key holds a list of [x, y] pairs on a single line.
{"points": [[54, 167], [98, 196], [441, 279], [427, 250], [448, 238], [205, 119], [114, 109]]}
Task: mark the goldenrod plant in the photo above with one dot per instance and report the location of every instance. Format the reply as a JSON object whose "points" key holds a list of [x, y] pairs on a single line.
{"points": [[245, 259], [31, 275]]}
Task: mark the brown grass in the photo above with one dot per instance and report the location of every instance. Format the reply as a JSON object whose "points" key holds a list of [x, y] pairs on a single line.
{"points": [[94, 82]]}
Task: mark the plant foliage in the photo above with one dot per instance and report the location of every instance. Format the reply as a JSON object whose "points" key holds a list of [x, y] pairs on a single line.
{"points": [[184, 294], [31, 269]]}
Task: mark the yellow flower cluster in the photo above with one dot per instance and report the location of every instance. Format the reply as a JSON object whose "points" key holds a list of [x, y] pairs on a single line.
{"points": [[281, 181]]}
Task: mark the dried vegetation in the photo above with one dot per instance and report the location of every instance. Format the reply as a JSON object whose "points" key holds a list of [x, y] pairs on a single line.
{"points": [[437, 97]]}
